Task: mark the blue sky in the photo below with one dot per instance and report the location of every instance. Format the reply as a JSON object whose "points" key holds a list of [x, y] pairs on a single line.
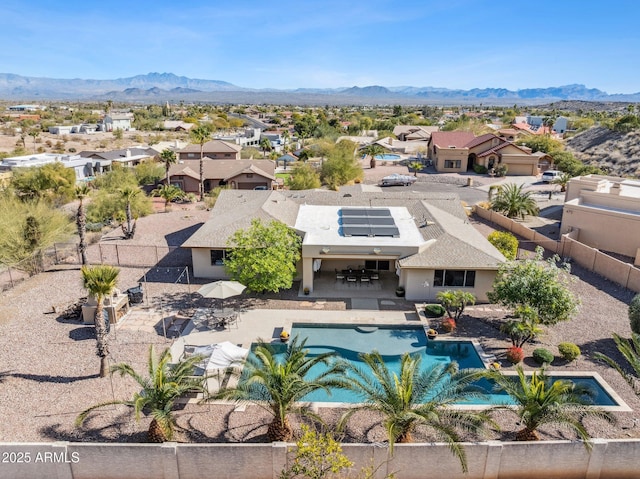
{"points": [[305, 43]]}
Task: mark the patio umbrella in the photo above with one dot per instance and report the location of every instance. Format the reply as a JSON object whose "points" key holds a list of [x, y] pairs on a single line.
{"points": [[221, 289]]}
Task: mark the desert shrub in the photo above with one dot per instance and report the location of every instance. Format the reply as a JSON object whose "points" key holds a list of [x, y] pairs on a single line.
{"points": [[634, 314], [514, 354], [480, 169], [448, 324], [569, 351], [434, 310], [504, 242], [542, 356], [501, 170]]}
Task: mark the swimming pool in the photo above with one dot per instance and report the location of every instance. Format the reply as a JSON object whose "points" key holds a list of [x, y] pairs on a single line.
{"points": [[391, 341], [388, 157]]}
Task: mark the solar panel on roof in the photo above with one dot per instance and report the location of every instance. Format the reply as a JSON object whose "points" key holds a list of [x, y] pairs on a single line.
{"points": [[356, 230], [379, 212], [381, 221], [355, 220], [353, 212], [385, 231], [368, 222]]}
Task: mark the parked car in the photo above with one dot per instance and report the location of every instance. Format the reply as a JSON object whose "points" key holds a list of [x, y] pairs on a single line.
{"points": [[397, 180], [550, 175]]}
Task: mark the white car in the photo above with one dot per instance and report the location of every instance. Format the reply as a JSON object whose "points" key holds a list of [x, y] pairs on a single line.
{"points": [[550, 175], [397, 180]]}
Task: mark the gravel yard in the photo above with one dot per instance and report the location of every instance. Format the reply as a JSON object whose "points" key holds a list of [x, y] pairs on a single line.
{"points": [[48, 366]]}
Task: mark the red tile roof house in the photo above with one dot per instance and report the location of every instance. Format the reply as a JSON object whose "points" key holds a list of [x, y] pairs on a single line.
{"points": [[236, 174], [459, 151], [214, 150]]}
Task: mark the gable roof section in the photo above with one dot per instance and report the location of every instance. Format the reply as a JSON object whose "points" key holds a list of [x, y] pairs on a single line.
{"points": [[217, 146], [501, 147], [482, 139], [223, 169], [235, 209], [446, 139]]}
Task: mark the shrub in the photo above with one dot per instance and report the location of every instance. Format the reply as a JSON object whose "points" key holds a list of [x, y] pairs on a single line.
{"points": [[504, 242], [634, 314], [542, 356], [448, 324], [568, 351], [515, 354], [434, 310], [480, 169], [501, 170]]}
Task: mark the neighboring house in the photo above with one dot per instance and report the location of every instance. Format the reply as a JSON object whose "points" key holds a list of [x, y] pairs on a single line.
{"points": [[118, 121], [430, 247], [128, 157], [414, 132], [249, 137], [214, 150], [83, 167], [61, 129], [275, 138], [235, 174], [26, 107], [604, 212], [175, 125], [174, 145], [458, 151]]}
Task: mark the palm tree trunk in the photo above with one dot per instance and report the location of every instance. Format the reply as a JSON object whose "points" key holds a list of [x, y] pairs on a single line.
{"points": [[201, 172], [527, 434], [279, 431], [405, 437], [81, 222], [102, 340], [156, 432]]}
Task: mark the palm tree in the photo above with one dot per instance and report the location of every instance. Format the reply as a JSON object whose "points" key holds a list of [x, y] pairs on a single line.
{"points": [[511, 201], [168, 193], [166, 383], [630, 350], [265, 145], [285, 137], [277, 384], [562, 180], [415, 397], [200, 134], [129, 194], [82, 192], [373, 150], [540, 401], [415, 166], [168, 157], [100, 281]]}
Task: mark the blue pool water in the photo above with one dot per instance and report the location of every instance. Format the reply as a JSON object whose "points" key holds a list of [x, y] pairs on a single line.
{"points": [[388, 157], [348, 341]]}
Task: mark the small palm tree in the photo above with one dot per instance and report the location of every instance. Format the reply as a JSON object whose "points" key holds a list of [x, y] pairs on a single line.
{"points": [[415, 166], [630, 350], [166, 383], [129, 194], [81, 193], [168, 193], [201, 134], [416, 397], [511, 201], [562, 180], [539, 400], [277, 384], [100, 281], [168, 157], [373, 150]]}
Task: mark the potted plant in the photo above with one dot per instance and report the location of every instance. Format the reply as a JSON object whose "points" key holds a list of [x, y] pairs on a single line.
{"points": [[432, 333], [306, 291], [284, 336], [400, 291]]}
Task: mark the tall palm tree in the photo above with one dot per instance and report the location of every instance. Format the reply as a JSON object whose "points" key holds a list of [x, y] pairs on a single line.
{"points": [[286, 136], [539, 400], [265, 145], [100, 281], [82, 191], [166, 383], [511, 201], [168, 157], [277, 384], [416, 397], [129, 194], [201, 134], [630, 350]]}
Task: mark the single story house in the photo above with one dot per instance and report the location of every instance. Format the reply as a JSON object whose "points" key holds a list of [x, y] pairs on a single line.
{"points": [[177, 125], [459, 151], [117, 121], [128, 157], [604, 212], [214, 150], [235, 174], [83, 167], [421, 241]]}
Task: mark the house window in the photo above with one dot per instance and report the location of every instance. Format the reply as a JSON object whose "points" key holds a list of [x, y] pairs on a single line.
{"points": [[191, 155], [382, 265], [452, 163], [218, 256], [227, 155], [249, 175], [454, 277]]}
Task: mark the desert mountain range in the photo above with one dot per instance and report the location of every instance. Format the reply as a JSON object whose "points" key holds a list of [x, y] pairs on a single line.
{"points": [[160, 87]]}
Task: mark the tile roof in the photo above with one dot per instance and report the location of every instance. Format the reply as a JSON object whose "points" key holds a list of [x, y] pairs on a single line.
{"points": [[223, 169], [217, 146], [481, 139], [445, 139]]}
